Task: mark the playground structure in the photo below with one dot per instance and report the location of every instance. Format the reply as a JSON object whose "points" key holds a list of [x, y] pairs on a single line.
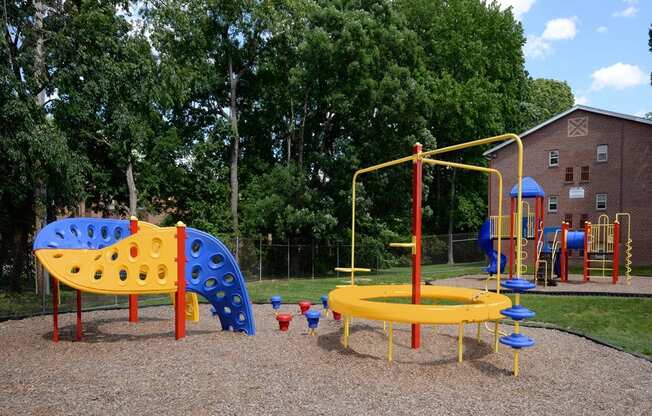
{"points": [[598, 242], [131, 257], [476, 306]]}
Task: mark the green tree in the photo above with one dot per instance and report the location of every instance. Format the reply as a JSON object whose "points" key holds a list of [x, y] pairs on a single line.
{"points": [[106, 85], [40, 173], [545, 98]]}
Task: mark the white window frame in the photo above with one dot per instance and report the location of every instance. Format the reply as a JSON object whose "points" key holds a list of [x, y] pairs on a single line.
{"points": [[605, 153], [597, 197], [550, 199], [551, 154]]}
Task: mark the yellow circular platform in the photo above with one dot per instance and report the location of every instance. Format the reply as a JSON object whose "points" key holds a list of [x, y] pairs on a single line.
{"points": [[478, 305]]}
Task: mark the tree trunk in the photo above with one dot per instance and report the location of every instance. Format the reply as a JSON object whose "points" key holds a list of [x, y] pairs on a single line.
{"points": [[40, 191], [133, 192], [451, 218], [235, 146], [304, 115]]}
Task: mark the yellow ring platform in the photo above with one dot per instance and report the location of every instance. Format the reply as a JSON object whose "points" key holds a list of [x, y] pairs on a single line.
{"points": [[479, 305]]}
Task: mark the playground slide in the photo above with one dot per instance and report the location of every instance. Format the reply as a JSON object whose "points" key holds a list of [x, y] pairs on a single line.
{"points": [[487, 245], [102, 256]]}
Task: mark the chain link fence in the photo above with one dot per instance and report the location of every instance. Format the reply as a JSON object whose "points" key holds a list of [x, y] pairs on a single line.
{"points": [[262, 259]]}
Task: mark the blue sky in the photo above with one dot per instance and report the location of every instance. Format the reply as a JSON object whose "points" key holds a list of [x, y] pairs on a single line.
{"points": [[600, 47]]}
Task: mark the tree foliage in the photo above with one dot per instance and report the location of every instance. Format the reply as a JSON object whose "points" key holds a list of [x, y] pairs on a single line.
{"points": [[251, 116]]}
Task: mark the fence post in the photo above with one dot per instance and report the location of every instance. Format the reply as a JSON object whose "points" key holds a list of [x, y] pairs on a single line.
{"points": [[288, 258], [260, 257], [337, 262]]}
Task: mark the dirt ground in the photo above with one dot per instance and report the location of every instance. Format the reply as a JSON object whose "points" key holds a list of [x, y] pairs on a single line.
{"points": [[139, 369]]}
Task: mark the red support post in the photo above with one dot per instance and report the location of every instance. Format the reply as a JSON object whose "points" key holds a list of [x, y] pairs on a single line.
{"points": [[180, 301], [78, 334], [563, 261], [133, 299], [417, 187], [55, 308], [587, 232], [511, 237], [535, 258], [616, 263]]}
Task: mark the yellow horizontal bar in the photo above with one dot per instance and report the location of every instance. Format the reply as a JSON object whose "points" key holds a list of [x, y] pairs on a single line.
{"points": [[403, 245], [349, 270]]}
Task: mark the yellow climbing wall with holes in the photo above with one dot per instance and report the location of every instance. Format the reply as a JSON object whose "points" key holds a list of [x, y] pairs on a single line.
{"points": [[139, 264]]}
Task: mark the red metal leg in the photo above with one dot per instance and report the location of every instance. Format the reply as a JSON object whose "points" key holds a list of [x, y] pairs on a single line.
{"points": [[78, 335], [133, 299], [417, 168], [55, 309], [180, 304]]}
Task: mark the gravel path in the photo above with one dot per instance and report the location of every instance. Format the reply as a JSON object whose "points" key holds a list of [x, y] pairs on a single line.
{"points": [[123, 368], [638, 284]]}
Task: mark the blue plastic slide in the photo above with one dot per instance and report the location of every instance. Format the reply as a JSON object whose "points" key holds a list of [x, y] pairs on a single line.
{"points": [[487, 245]]}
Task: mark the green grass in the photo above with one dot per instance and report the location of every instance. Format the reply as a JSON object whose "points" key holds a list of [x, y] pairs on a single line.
{"points": [[294, 290], [624, 322]]}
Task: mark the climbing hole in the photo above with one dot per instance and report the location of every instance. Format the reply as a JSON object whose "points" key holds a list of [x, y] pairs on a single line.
{"points": [[227, 310], [58, 255], [98, 274], [237, 300], [156, 247], [228, 279], [195, 247], [117, 233], [74, 230], [210, 283], [123, 274], [216, 261], [114, 255], [90, 231], [133, 250], [220, 295], [59, 234], [161, 272], [104, 232], [74, 269], [241, 317], [142, 273], [195, 272]]}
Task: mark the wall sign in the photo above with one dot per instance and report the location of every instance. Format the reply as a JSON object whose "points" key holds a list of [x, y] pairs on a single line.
{"points": [[576, 192]]}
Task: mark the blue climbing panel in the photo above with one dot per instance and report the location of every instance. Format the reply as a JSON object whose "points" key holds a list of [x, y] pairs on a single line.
{"points": [[211, 271], [82, 233]]}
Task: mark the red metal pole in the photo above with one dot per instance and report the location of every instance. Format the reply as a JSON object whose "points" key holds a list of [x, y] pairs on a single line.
{"points": [[55, 308], [180, 304], [511, 237], [615, 264], [133, 299], [417, 187], [78, 335], [537, 212], [587, 231], [563, 261]]}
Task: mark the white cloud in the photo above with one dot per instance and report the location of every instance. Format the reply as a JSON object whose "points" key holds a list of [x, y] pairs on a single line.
{"points": [[627, 12], [602, 29], [560, 29], [536, 47], [519, 7], [581, 100], [618, 76]]}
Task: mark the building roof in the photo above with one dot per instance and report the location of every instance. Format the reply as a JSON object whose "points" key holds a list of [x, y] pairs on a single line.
{"points": [[565, 113], [531, 189]]}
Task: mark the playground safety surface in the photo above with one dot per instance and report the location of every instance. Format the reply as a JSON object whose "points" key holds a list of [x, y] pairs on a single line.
{"points": [[123, 368]]}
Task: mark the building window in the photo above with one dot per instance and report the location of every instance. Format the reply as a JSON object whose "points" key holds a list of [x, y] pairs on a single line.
{"points": [[600, 202], [553, 158], [602, 154], [552, 203], [569, 175], [585, 174], [568, 219]]}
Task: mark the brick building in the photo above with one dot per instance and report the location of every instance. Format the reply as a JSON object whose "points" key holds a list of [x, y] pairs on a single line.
{"points": [[589, 162]]}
